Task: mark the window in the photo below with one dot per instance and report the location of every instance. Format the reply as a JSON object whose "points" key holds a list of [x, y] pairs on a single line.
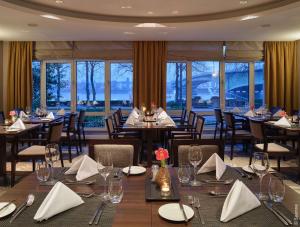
{"points": [[176, 85], [121, 85], [58, 86], [90, 86], [259, 84], [36, 84], [236, 85], [205, 85]]}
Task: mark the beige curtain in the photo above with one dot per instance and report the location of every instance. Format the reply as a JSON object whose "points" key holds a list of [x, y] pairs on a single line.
{"points": [[149, 74], [19, 90], [281, 77]]}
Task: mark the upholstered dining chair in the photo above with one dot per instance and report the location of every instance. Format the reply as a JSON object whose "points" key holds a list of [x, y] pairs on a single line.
{"points": [[219, 123], [269, 144], [182, 118]]}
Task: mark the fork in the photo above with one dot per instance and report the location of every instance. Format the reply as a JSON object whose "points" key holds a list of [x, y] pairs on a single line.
{"points": [[197, 206]]}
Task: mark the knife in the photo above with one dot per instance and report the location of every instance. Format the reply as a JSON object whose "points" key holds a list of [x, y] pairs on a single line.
{"points": [[240, 172], [282, 215], [95, 214], [183, 212], [99, 213], [276, 214], [128, 173]]}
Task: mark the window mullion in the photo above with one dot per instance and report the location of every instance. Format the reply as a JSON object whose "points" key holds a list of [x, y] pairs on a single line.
{"points": [[107, 87], [222, 85], [73, 87], [43, 84], [251, 84], [189, 86]]}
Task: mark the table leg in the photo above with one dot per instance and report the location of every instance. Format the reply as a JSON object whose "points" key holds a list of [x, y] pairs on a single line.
{"points": [[3, 158], [149, 137]]}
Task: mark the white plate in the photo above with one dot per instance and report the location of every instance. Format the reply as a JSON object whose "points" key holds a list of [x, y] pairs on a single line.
{"points": [[247, 169], [13, 129], [134, 170], [172, 212], [7, 210], [45, 119]]}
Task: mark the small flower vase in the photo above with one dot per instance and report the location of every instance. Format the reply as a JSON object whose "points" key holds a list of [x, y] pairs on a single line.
{"points": [[163, 179]]}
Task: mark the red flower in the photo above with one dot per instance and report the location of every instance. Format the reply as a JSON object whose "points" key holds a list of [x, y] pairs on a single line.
{"points": [[282, 114], [12, 113], [161, 154]]}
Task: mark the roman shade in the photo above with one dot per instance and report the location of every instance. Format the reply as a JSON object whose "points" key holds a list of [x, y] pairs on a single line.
{"points": [[244, 51]]}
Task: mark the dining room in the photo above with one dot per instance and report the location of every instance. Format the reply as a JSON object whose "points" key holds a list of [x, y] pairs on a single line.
{"points": [[149, 113]]}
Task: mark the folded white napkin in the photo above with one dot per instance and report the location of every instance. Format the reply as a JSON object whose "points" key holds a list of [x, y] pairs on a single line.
{"points": [[162, 115], [37, 111], [84, 167], [61, 112], [283, 122], [160, 110], [213, 163], [136, 112], [17, 125], [238, 201], [260, 110], [236, 110], [50, 116], [250, 113], [277, 114], [59, 199], [23, 114], [167, 122]]}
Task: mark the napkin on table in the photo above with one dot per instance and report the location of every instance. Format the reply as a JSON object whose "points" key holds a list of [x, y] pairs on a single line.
{"points": [[167, 122], [238, 201], [250, 113], [162, 115], [83, 168], [236, 110], [59, 199], [213, 163], [283, 122], [22, 114], [17, 125], [50, 116]]}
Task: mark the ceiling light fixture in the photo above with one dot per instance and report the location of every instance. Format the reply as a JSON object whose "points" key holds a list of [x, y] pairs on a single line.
{"points": [[59, 1], [150, 25], [150, 13], [243, 2], [175, 12], [126, 7], [49, 16], [249, 17]]}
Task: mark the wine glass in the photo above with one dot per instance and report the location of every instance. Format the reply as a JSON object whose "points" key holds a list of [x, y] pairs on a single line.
{"points": [[184, 174], [260, 166], [195, 157], [105, 167], [51, 156], [28, 110]]}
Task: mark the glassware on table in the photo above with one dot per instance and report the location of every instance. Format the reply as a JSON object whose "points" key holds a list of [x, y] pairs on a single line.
{"points": [[51, 156], [42, 171], [276, 189], [28, 110], [195, 157], [115, 189], [260, 165], [105, 167], [184, 174]]}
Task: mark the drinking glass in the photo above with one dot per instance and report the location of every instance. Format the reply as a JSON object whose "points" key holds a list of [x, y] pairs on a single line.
{"points": [[195, 158], [115, 189], [105, 167], [260, 166], [276, 189], [184, 174], [42, 171], [28, 110], [51, 156]]}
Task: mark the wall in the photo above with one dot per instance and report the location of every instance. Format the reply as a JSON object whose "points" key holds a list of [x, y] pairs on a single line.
{"points": [[1, 75], [298, 64]]}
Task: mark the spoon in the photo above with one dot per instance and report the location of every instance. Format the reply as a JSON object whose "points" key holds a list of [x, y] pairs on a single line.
{"points": [[218, 194], [228, 181], [29, 202]]}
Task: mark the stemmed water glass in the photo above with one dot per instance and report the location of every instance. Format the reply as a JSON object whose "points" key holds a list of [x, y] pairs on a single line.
{"points": [[195, 157], [51, 156], [105, 167], [260, 164]]}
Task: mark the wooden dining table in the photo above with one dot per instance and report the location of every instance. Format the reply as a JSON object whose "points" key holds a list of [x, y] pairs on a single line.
{"points": [[135, 211]]}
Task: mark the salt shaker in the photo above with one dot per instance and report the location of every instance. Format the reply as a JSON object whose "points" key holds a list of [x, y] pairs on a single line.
{"points": [[154, 169]]}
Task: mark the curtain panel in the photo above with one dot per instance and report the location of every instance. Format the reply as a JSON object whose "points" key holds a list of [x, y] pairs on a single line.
{"points": [[149, 73], [19, 90], [281, 77]]}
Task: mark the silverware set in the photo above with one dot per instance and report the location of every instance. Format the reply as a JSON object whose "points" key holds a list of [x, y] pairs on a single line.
{"points": [[194, 201], [98, 212], [29, 201], [227, 181], [284, 219], [243, 174], [71, 182]]}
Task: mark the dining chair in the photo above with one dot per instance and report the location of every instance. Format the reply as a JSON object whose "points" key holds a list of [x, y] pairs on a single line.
{"points": [[219, 123], [235, 133], [182, 118], [2, 117], [117, 134], [80, 129], [269, 144], [69, 135]]}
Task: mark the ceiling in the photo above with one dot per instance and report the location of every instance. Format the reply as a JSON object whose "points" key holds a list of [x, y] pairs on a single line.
{"points": [[115, 20]]}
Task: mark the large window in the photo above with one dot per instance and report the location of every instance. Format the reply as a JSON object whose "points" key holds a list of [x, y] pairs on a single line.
{"points": [[205, 85], [90, 86], [259, 84], [236, 85], [121, 85], [176, 85], [58, 86], [36, 84]]}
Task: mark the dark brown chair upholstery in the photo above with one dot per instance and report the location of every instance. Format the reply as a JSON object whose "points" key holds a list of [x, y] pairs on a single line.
{"points": [[80, 129], [219, 123], [235, 134]]}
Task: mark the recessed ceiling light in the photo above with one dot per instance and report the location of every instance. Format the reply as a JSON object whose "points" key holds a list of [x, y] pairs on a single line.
{"points": [[265, 25], [243, 2], [32, 25], [249, 17], [49, 16], [59, 1], [150, 13], [126, 7], [128, 33], [164, 33], [175, 12], [150, 25]]}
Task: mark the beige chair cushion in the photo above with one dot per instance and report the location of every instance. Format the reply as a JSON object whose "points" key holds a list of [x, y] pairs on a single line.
{"points": [[122, 155], [272, 147], [32, 151], [207, 151]]}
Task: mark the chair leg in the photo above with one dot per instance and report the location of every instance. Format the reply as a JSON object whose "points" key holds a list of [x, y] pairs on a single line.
{"points": [[69, 149], [33, 165], [61, 156], [13, 172], [79, 141], [231, 149], [278, 164], [215, 134], [83, 133], [221, 132]]}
